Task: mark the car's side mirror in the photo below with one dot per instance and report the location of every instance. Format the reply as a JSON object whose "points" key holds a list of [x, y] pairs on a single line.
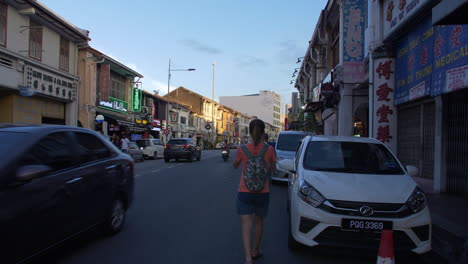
{"points": [[29, 172], [287, 164], [412, 171]]}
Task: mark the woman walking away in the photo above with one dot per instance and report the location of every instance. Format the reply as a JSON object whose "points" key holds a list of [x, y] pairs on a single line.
{"points": [[257, 160]]}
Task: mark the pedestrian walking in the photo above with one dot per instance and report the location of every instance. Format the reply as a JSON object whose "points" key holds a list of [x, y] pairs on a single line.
{"points": [[257, 159], [124, 144]]}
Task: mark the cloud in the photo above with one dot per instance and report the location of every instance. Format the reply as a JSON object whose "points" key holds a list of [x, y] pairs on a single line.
{"points": [[251, 61], [198, 46], [289, 52]]}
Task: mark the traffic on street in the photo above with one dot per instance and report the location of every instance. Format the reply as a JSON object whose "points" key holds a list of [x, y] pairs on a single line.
{"points": [[185, 213]]}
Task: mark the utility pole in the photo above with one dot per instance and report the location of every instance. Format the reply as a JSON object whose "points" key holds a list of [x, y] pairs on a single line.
{"points": [[213, 108], [168, 91]]}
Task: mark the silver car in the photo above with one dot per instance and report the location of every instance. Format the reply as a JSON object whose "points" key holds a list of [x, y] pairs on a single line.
{"points": [[286, 146], [135, 152]]}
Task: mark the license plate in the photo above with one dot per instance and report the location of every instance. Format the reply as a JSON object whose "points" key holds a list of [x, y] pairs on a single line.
{"points": [[365, 225]]}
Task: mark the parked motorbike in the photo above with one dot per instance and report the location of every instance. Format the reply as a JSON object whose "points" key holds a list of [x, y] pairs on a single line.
{"points": [[225, 155]]}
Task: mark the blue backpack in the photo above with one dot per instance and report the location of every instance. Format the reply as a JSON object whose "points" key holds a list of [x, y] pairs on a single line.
{"points": [[256, 171]]}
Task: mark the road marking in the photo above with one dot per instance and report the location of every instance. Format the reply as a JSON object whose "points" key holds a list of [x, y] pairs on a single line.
{"points": [[138, 175], [170, 167], [156, 170]]}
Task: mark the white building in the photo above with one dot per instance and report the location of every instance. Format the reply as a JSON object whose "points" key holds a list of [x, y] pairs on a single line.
{"points": [[265, 105], [38, 69]]}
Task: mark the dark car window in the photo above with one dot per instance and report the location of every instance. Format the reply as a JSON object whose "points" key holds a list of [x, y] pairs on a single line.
{"points": [[177, 142], [90, 148], [52, 150], [143, 143], [350, 157], [289, 142], [9, 140]]}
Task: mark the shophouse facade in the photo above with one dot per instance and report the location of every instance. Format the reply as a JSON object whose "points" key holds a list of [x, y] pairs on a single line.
{"points": [[38, 65]]}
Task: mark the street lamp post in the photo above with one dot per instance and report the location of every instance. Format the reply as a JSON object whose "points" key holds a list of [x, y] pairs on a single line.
{"points": [[213, 108], [168, 91]]}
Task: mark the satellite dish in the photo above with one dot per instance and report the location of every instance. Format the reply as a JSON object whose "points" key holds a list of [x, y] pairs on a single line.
{"points": [[99, 118]]}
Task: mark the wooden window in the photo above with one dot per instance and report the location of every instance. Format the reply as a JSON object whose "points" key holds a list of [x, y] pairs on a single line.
{"points": [[64, 57], [117, 86], [35, 40], [3, 23]]}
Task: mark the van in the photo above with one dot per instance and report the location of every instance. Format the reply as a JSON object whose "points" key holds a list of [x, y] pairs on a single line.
{"points": [[286, 146], [152, 148]]}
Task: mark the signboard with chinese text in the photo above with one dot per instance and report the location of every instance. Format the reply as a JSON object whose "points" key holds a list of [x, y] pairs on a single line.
{"points": [[385, 114], [114, 104], [414, 65], [49, 83], [450, 59], [156, 123], [353, 39], [397, 12], [136, 103], [164, 124]]}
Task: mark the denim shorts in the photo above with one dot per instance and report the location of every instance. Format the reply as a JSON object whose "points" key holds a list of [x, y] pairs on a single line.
{"points": [[253, 203]]}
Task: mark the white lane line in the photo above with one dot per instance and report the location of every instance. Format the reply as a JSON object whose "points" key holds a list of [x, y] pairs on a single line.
{"points": [[155, 170], [170, 167]]}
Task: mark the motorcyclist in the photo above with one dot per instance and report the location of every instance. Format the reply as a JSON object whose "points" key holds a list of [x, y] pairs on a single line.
{"points": [[225, 147]]}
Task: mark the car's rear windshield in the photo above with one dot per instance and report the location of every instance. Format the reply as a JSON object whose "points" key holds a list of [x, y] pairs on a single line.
{"points": [[8, 140], [143, 143], [289, 142], [177, 142], [350, 157]]}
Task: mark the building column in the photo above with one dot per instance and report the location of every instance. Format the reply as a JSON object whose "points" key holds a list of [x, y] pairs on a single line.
{"points": [[345, 111], [440, 175], [71, 114]]}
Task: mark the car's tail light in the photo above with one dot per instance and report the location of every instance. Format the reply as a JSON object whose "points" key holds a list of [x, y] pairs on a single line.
{"points": [[187, 146], [167, 147]]}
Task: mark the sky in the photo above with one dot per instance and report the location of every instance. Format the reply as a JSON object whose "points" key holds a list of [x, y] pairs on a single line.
{"points": [[253, 43]]}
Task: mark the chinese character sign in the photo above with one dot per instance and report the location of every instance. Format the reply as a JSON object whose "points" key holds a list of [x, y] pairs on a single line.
{"points": [[353, 37], [385, 114], [450, 59], [136, 100], [414, 63]]}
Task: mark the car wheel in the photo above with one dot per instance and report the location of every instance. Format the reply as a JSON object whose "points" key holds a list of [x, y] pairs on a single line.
{"points": [[142, 159], [116, 217], [199, 156], [292, 243], [155, 155]]}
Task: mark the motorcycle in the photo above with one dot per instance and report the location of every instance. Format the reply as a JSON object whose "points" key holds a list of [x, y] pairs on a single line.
{"points": [[225, 155]]}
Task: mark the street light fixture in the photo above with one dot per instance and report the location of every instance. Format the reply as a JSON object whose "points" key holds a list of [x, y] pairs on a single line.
{"points": [[168, 91]]}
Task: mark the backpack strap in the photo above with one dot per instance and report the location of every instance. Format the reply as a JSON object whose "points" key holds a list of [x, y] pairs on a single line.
{"points": [[264, 150], [246, 151]]}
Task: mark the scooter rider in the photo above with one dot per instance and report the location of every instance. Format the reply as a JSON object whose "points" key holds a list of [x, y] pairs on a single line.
{"points": [[225, 147]]}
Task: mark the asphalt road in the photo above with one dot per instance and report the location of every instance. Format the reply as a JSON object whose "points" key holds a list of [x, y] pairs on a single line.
{"points": [[185, 213]]}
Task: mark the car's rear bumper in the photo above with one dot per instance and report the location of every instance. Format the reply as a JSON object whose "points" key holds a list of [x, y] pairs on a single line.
{"points": [[178, 154]]}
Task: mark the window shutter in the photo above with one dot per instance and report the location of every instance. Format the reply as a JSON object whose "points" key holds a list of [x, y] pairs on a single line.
{"points": [[3, 23]]}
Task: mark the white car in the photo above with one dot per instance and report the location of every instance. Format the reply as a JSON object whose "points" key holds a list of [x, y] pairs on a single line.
{"points": [[343, 191], [152, 148], [285, 148]]}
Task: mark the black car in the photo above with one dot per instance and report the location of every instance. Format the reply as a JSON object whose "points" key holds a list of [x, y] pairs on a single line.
{"points": [[55, 182], [181, 148]]}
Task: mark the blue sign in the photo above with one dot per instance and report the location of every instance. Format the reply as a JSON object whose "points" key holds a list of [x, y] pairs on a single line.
{"points": [[450, 59], [27, 91], [353, 29], [414, 63]]}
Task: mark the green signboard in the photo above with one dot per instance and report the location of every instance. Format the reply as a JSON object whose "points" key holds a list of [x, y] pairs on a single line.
{"points": [[137, 94], [114, 104]]}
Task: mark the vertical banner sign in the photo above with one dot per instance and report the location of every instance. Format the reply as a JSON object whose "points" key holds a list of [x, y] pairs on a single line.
{"points": [[385, 115], [136, 105], [414, 63], [353, 37], [450, 59], [163, 126], [153, 111]]}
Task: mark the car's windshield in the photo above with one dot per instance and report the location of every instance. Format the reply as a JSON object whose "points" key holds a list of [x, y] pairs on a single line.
{"points": [[143, 143], [132, 145], [350, 157], [9, 140], [177, 142], [289, 142]]}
